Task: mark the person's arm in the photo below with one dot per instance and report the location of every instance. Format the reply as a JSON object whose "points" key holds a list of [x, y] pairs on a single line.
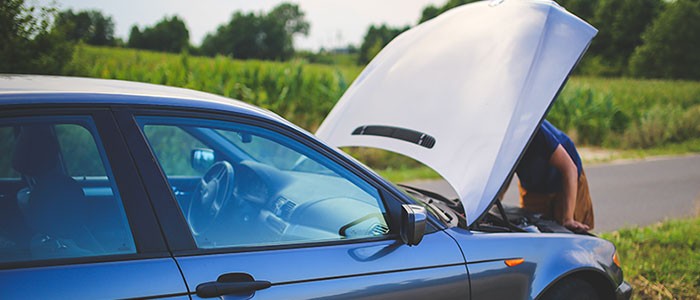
{"points": [[561, 160]]}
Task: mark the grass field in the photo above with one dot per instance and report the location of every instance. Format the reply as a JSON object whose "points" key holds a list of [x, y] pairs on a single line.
{"points": [[636, 116], [301, 92], [661, 261], [628, 113]]}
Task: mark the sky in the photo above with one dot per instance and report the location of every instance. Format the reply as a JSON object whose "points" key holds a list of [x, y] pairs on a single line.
{"points": [[334, 23]]}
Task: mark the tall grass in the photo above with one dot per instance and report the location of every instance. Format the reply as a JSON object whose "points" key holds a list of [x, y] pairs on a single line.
{"points": [[301, 92], [627, 113], [613, 113]]}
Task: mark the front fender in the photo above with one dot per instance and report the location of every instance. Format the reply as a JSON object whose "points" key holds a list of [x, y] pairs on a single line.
{"points": [[548, 257]]}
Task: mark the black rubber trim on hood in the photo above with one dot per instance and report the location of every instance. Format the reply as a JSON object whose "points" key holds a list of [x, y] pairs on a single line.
{"points": [[411, 136]]}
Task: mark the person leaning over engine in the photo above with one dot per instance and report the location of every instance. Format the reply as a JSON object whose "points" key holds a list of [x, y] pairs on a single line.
{"points": [[552, 180]]}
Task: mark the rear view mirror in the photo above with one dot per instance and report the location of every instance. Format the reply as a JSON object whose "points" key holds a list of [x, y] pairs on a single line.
{"points": [[413, 221], [245, 137], [202, 159]]}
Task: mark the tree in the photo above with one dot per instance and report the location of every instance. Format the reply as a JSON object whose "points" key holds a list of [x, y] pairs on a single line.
{"points": [[621, 24], [260, 36], [375, 40], [432, 11], [671, 44], [169, 35], [429, 12], [91, 27], [29, 43], [584, 9]]}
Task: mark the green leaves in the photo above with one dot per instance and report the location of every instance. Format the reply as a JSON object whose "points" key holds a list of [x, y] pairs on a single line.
{"points": [[28, 41], [671, 44], [374, 41], [91, 27], [258, 36], [169, 35]]}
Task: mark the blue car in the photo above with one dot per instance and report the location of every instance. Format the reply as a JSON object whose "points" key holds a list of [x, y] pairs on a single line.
{"points": [[112, 189]]}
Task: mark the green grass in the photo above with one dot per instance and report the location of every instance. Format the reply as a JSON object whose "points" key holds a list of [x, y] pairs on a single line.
{"points": [[408, 174], [299, 91], [596, 155], [661, 261], [628, 113], [690, 146], [660, 117]]}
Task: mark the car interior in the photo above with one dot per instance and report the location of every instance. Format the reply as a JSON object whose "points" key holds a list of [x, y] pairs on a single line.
{"points": [[51, 209], [45, 212], [245, 199]]}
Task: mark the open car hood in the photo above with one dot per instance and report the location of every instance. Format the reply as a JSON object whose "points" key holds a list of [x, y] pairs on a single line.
{"points": [[463, 93]]}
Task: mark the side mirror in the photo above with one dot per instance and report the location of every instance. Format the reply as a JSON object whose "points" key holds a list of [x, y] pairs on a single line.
{"points": [[202, 159], [413, 221]]}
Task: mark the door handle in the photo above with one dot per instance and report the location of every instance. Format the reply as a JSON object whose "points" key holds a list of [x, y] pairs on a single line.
{"points": [[231, 283]]}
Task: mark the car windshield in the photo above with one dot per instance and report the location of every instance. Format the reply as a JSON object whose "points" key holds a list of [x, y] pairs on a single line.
{"points": [[271, 153]]}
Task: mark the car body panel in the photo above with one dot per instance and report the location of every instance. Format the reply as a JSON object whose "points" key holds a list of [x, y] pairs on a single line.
{"points": [[30, 89], [438, 266], [435, 283], [435, 266], [109, 280], [547, 258], [370, 265], [151, 272], [464, 92]]}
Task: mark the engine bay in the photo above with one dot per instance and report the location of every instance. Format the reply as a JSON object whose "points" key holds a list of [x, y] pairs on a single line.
{"points": [[517, 219]]}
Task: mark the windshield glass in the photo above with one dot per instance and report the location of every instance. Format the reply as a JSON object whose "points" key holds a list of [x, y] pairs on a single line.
{"points": [[272, 153]]}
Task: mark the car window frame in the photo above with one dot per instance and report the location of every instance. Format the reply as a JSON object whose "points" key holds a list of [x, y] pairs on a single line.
{"points": [[148, 240], [174, 223]]}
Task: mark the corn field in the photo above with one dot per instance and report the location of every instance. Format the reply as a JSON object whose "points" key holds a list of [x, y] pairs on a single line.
{"points": [[302, 93], [607, 112]]}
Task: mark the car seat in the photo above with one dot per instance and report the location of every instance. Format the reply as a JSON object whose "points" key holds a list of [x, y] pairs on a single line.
{"points": [[53, 202]]}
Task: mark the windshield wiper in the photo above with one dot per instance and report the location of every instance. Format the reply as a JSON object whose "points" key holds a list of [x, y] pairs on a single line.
{"points": [[434, 205], [438, 210]]}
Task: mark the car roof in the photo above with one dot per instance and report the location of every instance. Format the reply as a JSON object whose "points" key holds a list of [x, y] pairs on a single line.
{"points": [[25, 89]]}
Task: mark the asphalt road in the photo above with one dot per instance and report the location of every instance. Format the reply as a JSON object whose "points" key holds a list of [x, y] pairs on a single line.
{"points": [[630, 193]]}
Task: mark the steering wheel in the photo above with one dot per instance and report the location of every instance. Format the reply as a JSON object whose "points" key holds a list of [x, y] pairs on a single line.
{"points": [[210, 197]]}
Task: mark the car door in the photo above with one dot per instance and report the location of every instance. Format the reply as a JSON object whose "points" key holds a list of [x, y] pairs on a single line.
{"points": [[296, 222], [75, 222]]}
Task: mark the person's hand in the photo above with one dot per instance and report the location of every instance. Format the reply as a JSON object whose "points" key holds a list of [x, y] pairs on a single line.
{"points": [[575, 226]]}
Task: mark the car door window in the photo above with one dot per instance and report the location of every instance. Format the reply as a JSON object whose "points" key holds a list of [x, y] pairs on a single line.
{"points": [[262, 188], [59, 198], [172, 146]]}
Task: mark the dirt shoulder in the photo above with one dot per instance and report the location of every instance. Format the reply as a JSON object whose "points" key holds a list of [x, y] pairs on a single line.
{"points": [[596, 156]]}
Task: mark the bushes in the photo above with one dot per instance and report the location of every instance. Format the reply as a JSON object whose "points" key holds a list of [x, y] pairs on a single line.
{"points": [[587, 116], [29, 43], [623, 113], [613, 113], [663, 124]]}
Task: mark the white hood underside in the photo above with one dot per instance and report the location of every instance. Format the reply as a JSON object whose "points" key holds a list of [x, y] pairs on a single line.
{"points": [[464, 92]]}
